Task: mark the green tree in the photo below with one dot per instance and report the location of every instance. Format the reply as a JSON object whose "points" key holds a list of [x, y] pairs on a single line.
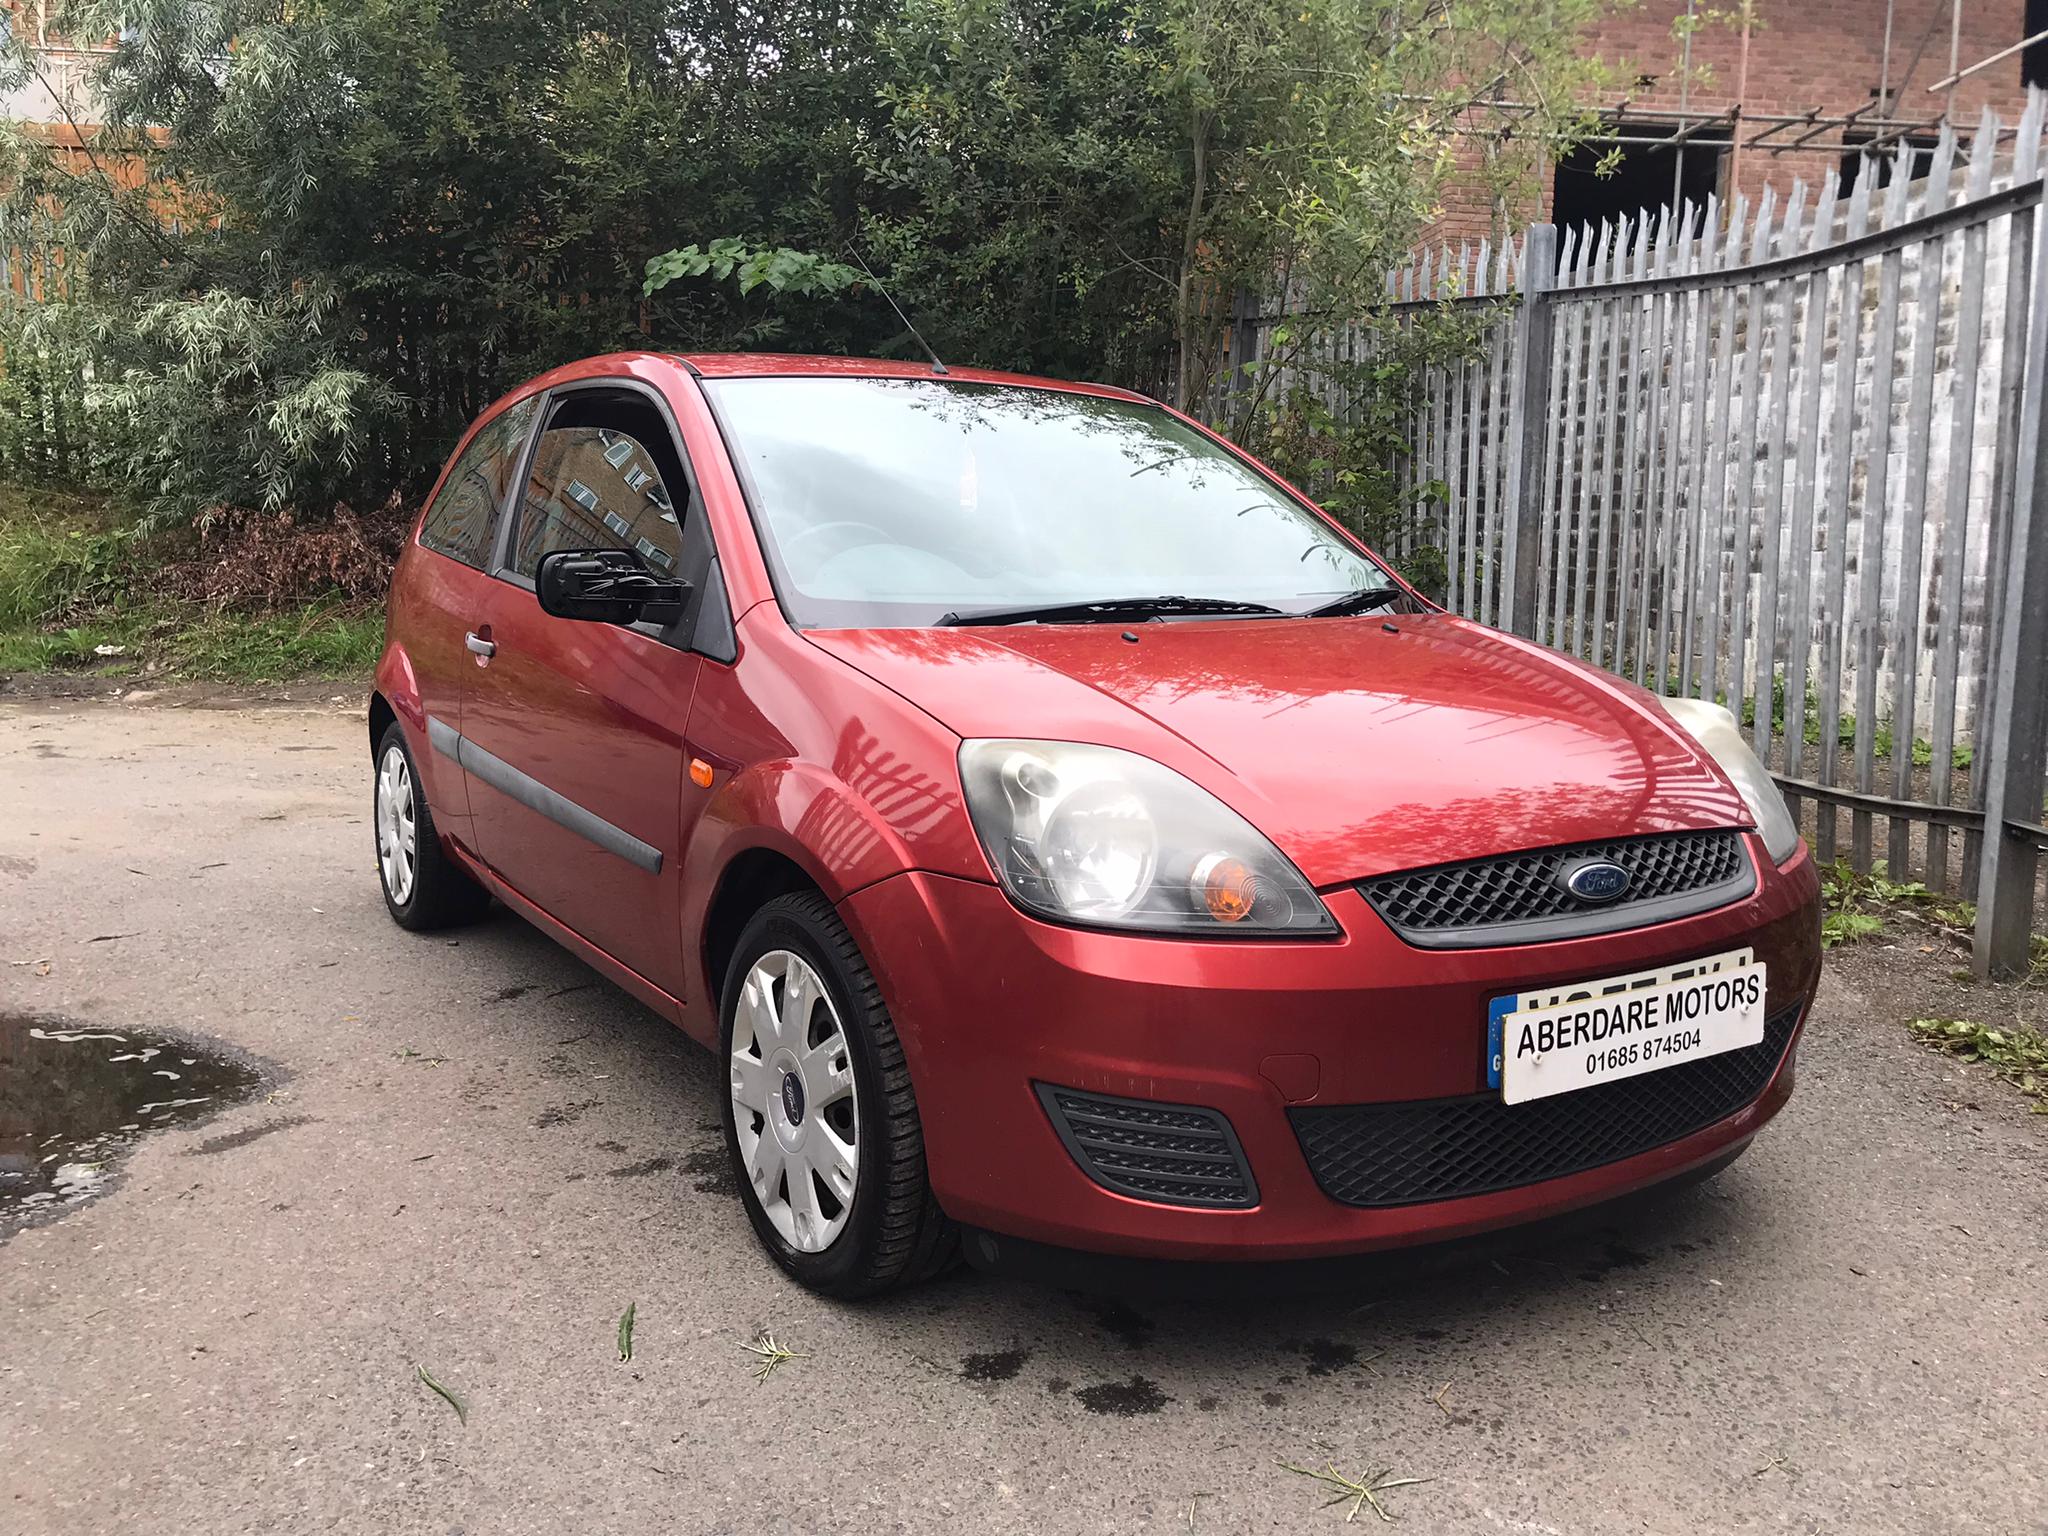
{"points": [[1154, 158], [312, 240], [1018, 185]]}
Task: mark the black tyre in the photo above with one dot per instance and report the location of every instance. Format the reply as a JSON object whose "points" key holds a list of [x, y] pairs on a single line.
{"points": [[820, 1120], [423, 888]]}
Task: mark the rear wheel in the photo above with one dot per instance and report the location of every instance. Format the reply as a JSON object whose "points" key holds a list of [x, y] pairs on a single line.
{"points": [[423, 887], [820, 1119]]}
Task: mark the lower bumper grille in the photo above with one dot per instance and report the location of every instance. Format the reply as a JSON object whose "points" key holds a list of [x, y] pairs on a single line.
{"points": [[1440, 1149], [1174, 1154]]}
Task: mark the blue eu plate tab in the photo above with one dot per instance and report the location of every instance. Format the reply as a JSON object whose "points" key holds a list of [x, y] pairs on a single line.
{"points": [[1496, 1011]]}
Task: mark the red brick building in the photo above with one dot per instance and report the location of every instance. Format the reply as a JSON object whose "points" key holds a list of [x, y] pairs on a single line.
{"points": [[1794, 94]]}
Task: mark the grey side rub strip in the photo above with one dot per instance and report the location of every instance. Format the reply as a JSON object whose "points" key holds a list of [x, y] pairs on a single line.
{"points": [[443, 737], [536, 796]]}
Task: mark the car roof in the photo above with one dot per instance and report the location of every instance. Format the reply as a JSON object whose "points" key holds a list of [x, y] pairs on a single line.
{"points": [[791, 365]]}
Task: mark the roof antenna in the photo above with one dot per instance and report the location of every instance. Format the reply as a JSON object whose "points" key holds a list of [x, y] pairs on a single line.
{"points": [[937, 366]]}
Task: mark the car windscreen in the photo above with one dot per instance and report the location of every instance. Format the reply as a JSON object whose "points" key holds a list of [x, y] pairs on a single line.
{"points": [[901, 502]]}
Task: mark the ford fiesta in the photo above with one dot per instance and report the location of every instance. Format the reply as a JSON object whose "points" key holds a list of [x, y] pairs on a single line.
{"points": [[1062, 831]]}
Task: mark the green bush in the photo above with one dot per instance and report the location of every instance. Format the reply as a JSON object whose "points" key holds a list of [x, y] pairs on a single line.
{"points": [[1342, 435], [312, 241]]}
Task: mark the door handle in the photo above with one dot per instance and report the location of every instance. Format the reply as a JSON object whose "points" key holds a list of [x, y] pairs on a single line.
{"points": [[480, 647]]}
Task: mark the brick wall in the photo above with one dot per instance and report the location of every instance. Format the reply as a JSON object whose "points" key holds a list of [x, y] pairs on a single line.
{"points": [[1803, 54]]}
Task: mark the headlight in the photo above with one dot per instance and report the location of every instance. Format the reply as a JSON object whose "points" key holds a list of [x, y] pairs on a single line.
{"points": [[1109, 839], [1715, 729]]}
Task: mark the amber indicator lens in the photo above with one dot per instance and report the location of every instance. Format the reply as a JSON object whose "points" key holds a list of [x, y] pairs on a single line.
{"points": [[1227, 887], [700, 773]]}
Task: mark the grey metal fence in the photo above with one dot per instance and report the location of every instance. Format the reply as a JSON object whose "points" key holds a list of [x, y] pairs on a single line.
{"points": [[1786, 457]]}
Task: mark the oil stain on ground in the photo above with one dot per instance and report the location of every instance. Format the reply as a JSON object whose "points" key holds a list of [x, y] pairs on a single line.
{"points": [[1325, 1357], [1000, 1366], [1614, 1256], [73, 1097], [711, 1167], [640, 1170], [564, 1114], [1123, 1399]]}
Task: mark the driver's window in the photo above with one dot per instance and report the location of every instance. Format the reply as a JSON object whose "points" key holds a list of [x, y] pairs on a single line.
{"points": [[603, 477]]}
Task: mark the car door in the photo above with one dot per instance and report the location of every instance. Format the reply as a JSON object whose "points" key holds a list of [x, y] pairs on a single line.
{"points": [[446, 585], [574, 730]]}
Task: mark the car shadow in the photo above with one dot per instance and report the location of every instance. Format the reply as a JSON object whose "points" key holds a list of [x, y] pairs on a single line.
{"points": [[1141, 1338], [1275, 1335]]}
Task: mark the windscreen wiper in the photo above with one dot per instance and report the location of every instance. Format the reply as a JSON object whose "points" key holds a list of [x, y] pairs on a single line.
{"points": [[1364, 600], [1107, 611]]}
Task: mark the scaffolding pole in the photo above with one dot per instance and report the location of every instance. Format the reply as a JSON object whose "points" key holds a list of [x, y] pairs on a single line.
{"points": [[1985, 63]]}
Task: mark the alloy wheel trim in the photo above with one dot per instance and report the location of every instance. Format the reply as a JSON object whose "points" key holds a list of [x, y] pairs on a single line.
{"points": [[397, 826], [796, 1142]]}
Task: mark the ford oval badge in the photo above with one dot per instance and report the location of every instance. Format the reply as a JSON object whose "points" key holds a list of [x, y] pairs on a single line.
{"points": [[1594, 880]]}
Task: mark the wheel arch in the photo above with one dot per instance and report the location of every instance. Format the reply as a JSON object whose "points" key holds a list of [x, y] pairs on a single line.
{"points": [[382, 718], [749, 880]]}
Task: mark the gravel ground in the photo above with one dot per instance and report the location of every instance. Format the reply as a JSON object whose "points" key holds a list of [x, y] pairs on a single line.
{"points": [[471, 1154]]}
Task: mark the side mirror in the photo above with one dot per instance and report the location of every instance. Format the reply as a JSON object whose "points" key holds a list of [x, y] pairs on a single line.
{"points": [[606, 586]]}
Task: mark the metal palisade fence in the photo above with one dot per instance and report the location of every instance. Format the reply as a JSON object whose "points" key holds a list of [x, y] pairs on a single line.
{"points": [[1788, 457]]}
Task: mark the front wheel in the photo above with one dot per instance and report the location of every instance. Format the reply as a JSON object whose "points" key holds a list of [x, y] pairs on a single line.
{"points": [[820, 1119]]}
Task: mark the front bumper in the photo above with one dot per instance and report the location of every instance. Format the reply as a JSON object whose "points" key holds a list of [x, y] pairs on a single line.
{"points": [[989, 1003]]}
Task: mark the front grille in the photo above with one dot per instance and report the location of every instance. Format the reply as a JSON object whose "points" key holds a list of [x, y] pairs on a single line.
{"points": [[1440, 1149], [1519, 898], [1175, 1154]]}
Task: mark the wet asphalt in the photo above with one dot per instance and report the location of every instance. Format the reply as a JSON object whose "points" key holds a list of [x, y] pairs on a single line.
{"points": [[469, 1154]]}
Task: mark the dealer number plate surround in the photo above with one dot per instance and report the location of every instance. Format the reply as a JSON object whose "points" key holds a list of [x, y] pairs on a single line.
{"points": [[1558, 1039]]}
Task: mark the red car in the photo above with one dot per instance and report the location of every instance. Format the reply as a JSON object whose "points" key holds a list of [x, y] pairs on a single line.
{"points": [[1063, 831]]}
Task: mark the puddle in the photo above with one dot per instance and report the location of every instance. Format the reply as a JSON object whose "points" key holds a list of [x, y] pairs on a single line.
{"points": [[73, 1096]]}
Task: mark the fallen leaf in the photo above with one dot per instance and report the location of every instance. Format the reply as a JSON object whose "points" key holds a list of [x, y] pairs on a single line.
{"points": [[461, 1410]]}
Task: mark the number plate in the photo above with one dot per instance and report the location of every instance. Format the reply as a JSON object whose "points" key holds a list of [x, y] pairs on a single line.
{"points": [[1561, 1038]]}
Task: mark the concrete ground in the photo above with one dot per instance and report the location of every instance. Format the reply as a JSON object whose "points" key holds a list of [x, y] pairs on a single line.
{"points": [[1842, 1333]]}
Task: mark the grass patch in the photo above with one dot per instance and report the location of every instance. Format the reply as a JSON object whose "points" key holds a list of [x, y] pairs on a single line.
{"points": [[1845, 927], [81, 589], [58, 553], [1854, 905], [320, 640], [2018, 1055], [1881, 744], [27, 648], [1845, 897]]}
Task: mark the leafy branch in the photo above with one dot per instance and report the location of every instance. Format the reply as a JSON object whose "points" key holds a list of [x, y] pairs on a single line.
{"points": [[778, 268]]}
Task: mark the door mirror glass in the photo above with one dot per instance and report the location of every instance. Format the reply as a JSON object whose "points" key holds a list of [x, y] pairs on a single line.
{"points": [[606, 586]]}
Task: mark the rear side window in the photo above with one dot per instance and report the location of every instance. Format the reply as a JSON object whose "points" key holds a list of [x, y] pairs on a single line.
{"points": [[458, 524], [605, 476]]}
